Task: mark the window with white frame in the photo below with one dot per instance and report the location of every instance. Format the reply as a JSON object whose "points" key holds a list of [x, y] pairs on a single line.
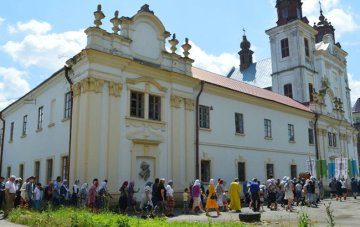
{"points": [[137, 104], [311, 135], [204, 116], [154, 107], [64, 167], [267, 128], [24, 125], [239, 123], [67, 106], [285, 48], [291, 132], [40, 117], [12, 124]]}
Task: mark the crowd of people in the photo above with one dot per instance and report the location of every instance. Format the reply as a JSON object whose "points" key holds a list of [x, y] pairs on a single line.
{"points": [[157, 198]]}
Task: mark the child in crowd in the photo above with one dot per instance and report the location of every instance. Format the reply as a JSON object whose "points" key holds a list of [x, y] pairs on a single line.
{"points": [[37, 196], [186, 201], [225, 201]]}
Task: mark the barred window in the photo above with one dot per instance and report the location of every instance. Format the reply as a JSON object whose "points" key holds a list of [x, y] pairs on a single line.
{"points": [[239, 123], [204, 116], [267, 128]]}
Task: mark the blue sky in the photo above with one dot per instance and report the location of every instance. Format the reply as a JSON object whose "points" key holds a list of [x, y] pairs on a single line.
{"points": [[38, 36]]}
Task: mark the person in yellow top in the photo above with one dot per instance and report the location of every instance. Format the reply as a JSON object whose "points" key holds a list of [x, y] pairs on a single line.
{"points": [[211, 199], [234, 193]]}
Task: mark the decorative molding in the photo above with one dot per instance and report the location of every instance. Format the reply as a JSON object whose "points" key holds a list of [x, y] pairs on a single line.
{"points": [[115, 89], [146, 80], [189, 104], [175, 101], [91, 84], [76, 88]]}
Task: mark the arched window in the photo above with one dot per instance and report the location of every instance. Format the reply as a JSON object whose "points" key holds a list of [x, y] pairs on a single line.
{"points": [[288, 90]]}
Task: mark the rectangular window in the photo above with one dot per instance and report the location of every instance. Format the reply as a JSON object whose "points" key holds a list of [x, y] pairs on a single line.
{"points": [[49, 168], [21, 171], [24, 125], [334, 139], [311, 92], [241, 171], [67, 107], [306, 44], [267, 128], [311, 135], [288, 90], [40, 117], [65, 167], [269, 170], [154, 107], [293, 171], [330, 139], [204, 116], [8, 171], [291, 132], [37, 171], [12, 131], [285, 48], [205, 171], [239, 123], [137, 104]]}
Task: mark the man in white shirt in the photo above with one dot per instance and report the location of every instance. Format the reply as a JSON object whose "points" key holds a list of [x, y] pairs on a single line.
{"points": [[10, 190]]}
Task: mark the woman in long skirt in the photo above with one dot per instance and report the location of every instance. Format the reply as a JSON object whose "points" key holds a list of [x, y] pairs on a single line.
{"points": [[211, 199]]}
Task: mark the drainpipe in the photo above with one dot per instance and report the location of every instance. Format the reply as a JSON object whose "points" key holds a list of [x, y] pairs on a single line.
{"points": [[2, 142], [67, 69], [197, 175]]}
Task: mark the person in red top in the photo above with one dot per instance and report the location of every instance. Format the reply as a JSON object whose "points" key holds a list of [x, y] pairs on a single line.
{"points": [[92, 195]]}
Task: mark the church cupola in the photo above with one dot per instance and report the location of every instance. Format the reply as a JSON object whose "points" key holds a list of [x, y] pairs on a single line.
{"points": [[323, 27], [245, 53], [289, 10]]}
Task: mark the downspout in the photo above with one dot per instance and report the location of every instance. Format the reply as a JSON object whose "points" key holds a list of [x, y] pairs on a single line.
{"points": [[197, 130], [2, 143], [316, 139], [67, 69]]}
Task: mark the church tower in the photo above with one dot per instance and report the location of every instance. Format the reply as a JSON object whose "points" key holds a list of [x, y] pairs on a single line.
{"points": [[292, 44], [245, 53]]}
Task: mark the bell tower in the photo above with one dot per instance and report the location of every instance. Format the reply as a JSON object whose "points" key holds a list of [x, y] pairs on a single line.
{"points": [[292, 44], [288, 10], [245, 53]]}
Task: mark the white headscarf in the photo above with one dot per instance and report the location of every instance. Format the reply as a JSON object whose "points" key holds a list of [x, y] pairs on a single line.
{"points": [[197, 182]]}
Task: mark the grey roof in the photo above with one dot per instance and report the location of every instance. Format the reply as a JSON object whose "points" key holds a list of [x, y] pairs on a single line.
{"points": [[258, 74], [356, 108]]}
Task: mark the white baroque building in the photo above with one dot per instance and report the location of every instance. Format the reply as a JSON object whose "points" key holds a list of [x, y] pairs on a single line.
{"points": [[125, 108]]}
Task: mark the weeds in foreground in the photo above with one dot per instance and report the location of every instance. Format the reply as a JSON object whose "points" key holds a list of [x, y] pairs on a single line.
{"points": [[330, 216], [304, 220]]}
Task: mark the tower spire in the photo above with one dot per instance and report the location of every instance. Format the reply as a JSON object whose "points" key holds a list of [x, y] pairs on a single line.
{"points": [[245, 53]]}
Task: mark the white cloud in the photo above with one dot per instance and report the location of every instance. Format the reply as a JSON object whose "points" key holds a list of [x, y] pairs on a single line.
{"points": [[220, 64], [12, 85], [355, 88], [41, 48], [342, 18], [11, 29]]}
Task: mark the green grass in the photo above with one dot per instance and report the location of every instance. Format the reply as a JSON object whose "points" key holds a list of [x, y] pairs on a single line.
{"points": [[83, 218]]}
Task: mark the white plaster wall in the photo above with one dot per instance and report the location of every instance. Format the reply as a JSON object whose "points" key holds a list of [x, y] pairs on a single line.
{"points": [[51, 142]]}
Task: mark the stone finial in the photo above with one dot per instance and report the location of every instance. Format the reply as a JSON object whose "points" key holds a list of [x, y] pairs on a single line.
{"points": [[173, 42], [116, 22], [186, 47], [99, 15]]}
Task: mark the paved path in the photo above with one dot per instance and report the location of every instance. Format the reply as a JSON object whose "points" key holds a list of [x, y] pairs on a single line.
{"points": [[347, 214]]}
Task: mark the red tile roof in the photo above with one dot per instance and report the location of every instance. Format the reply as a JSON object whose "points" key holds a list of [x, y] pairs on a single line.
{"points": [[242, 87]]}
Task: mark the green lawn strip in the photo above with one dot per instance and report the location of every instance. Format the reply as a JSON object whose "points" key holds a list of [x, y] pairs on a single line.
{"points": [[83, 218]]}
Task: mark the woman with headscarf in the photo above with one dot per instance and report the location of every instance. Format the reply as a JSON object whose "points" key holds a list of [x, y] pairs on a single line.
{"points": [[219, 193], [211, 199], [146, 204], [196, 193], [170, 199], [101, 194], [83, 193], [131, 198], [75, 193], [123, 199], [289, 194]]}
